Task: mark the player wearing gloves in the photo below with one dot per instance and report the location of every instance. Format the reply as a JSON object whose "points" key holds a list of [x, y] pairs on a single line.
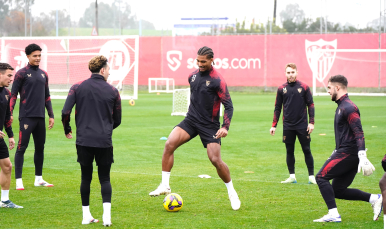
{"points": [[348, 158]]}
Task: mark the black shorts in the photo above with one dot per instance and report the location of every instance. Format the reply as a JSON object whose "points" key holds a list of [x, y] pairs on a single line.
{"points": [[289, 136], [4, 153], [206, 132], [86, 154]]}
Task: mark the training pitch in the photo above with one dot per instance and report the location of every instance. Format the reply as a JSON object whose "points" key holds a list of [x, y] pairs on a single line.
{"points": [[265, 202]]}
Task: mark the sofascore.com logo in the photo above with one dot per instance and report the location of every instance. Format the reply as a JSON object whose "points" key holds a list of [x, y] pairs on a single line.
{"points": [[174, 63]]}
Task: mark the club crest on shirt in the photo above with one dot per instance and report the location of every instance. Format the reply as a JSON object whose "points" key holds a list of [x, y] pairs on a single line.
{"points": [[25, 126], [43, 75], [29, 75], [284, 90], [193, 78], [207, 83], [300, 90], [284, 138], [6, 97]]}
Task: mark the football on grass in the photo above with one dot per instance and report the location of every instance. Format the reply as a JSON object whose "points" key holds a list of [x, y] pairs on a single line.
{"points": [[173, 202]]}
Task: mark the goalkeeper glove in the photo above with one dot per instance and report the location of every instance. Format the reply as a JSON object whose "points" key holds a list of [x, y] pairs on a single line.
{"points": [[364, 164]]}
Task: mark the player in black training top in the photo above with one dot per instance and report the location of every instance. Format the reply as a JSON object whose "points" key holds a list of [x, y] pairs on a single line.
{"points": [[348, 158], [5, 121], [295, 97], [98, 112], [31, 83], [207, 91]]}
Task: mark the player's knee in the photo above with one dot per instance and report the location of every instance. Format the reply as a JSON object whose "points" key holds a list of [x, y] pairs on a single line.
{"points": [[216, 161], [320, 180], [170, 146], [306, 150], [8, 168]]}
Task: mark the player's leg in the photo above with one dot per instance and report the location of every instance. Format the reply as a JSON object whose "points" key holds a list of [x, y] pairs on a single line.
{"points": [[382, 185], [332, 168], [26, 127], [104, 158], [305, 140], [5, 177], [341, 190], [85, 159], [181, 134], [289, 137], [39, 136]]}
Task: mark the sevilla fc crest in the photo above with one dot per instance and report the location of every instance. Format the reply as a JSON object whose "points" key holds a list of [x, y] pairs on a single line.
{"points": [[320, 56], [300, 90], [284, 90], [207, 83]]}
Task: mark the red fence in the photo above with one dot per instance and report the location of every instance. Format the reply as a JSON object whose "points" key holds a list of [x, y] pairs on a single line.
{"points": [[259, 60]]}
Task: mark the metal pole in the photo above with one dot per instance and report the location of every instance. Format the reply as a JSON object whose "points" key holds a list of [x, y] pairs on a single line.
{"points": [[379, 45], [57, 24], [25, 18], [321, 16]]}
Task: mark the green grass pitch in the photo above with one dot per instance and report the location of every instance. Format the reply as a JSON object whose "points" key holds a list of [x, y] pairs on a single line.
{"points": [[265, 203]]}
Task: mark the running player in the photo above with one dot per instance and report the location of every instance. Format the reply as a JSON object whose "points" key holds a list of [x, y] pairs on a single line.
{"points": [[5, 121], [348, 158], [208, 90], [32, 84], [98, 112], [295, 96]]}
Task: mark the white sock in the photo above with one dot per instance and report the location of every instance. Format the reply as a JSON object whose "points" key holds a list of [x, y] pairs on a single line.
{"points": [[86, 212], [4, 195], [165, 178], [106, 211], [333, 211], [311, 176], [230, 188], [19, 182], [38, 179], [373, 198], [293, 176], [384, 221]]}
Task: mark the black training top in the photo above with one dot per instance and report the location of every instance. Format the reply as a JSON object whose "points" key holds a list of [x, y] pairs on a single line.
{"points": [[5, 113], [97, 112], [207, 91], [295, 98], [348, 128], [32, 84]]}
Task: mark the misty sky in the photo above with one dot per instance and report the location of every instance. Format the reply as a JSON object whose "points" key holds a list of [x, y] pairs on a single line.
{"points": [[164, 14]]}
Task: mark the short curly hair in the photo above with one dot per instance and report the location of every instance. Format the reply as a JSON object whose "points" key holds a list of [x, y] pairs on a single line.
{"points": [[97, 63], [32, 48], [4, 67]]}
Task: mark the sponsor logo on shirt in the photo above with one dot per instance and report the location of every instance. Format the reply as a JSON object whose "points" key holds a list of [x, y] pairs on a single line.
{"points": [[299, 90], [43, 75], [284, 90], [25, 126], [29, 75], [193, 78], [207, 83]]}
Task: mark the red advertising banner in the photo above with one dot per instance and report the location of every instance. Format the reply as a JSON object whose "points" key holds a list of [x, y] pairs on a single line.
{"points": [[259, 60]]}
